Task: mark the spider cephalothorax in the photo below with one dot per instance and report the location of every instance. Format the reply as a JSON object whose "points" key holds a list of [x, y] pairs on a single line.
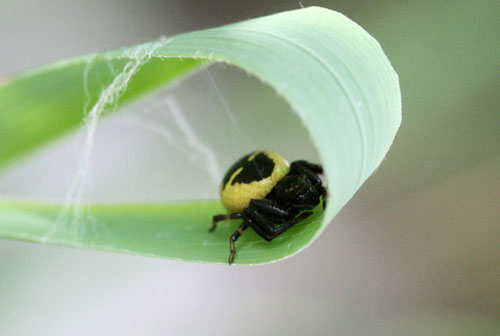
{"points": [[269, 194]]}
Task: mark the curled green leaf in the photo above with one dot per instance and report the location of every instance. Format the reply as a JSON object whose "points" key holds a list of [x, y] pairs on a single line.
{"points": [[331, 72]]}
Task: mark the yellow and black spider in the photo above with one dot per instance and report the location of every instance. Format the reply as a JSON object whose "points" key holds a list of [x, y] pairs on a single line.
{"points": [[269, 194]]}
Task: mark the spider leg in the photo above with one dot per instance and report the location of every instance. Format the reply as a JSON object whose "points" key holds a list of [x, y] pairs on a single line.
{"points": [[269, 208], [219, 218], [318, 169], [324, 193], [304, 206], [234, 238], [309, 169], [268, 230]]}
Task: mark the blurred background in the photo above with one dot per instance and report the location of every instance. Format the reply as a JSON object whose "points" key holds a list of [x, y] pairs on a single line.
{"points": [[415, 252]]}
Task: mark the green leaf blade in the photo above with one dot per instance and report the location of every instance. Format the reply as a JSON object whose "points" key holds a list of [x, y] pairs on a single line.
{"points": [[62, 92]]}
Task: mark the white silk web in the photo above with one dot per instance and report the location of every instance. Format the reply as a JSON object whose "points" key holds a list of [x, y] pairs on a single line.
{"points": [[163, 116], [75, 208], [178, 134]]}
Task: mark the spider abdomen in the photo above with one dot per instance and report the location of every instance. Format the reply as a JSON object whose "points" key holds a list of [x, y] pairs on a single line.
{"points": [[252, 177]]}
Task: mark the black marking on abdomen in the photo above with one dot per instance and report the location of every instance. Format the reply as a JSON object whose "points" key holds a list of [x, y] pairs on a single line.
{"points": [[235, 167], [259, 168]]}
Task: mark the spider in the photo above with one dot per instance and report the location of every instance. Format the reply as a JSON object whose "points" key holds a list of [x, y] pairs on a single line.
{"points": [[269, 194]]}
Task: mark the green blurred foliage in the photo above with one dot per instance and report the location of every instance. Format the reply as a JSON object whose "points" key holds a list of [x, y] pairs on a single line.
{"points": [[447, 56]]}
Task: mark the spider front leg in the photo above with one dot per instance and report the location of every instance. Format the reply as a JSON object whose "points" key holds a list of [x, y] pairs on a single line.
{"points": [[270, 219], [324, 193], [309, 169], [219, 218], [268, 230], [269, 208], [318, 169]]}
